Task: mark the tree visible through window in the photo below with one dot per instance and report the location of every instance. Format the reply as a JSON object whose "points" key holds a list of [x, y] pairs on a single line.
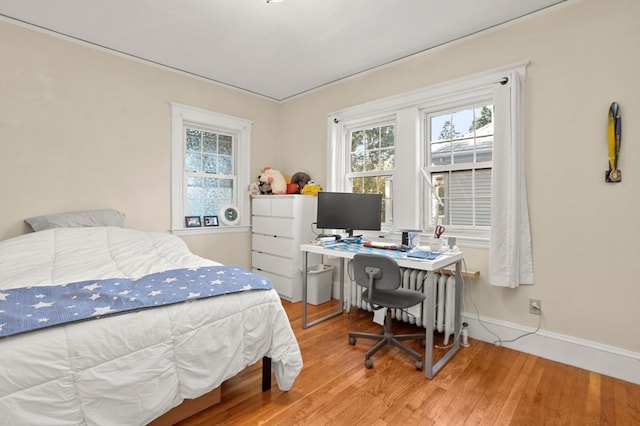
{"points": [[371, 165]]}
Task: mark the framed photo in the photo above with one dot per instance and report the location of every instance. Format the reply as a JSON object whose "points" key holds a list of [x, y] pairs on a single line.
{"points": [[211, 221], [192, 221]]}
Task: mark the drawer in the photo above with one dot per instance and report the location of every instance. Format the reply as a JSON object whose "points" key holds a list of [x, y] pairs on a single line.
{"points": [[274, 245], [287, 288], [275, 264], [282, 207], [279, 226], [261, 206]]}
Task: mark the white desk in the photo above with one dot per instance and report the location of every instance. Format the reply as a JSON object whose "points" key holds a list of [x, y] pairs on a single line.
{"points": [[348, 251]]}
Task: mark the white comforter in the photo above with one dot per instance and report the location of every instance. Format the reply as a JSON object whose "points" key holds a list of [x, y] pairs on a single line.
{"points": [[130, 368]]}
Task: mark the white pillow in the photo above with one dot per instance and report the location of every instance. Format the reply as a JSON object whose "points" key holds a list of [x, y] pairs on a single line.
{"points": [[77, 219]]}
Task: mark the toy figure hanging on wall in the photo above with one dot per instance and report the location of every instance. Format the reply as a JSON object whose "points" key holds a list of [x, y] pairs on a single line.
{"points": [[614, 135]]}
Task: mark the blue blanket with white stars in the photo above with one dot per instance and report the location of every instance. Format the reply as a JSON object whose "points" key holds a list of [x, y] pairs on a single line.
{"points": [[31, 308]]}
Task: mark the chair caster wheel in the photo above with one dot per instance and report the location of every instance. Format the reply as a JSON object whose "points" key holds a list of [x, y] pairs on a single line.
{"points": [[352, 340], [368, 363], [419, 365]]}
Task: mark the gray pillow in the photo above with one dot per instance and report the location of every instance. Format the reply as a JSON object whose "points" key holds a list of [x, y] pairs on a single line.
{"points": [[77, 219]]}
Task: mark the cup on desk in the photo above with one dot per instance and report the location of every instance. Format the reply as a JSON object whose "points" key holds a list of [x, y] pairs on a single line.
{"points": [[435, 245]]}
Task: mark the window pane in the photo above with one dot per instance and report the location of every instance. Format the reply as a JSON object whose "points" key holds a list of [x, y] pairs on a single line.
{"points": [[387, 159], [372, 138], [440, 153], [484, 148], [387, 136], [225, 145], [209, 142], [483, 211], [193, 161], [372, 161], [225, 165], [437, 125], [209, 163], [357, 162], [357, 141], [483, 182], [193, 140]]}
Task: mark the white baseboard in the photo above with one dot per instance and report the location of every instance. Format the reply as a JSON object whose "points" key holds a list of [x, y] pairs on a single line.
{"points": [[608, 360]]}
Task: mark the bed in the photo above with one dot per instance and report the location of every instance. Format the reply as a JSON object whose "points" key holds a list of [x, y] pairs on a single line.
{"points": [[130, 366]]}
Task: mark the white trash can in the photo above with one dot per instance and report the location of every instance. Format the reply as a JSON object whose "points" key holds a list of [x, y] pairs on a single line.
{"points": [[319, 283]]}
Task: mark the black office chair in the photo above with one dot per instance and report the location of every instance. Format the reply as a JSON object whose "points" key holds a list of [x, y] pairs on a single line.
{"points": [[380, 276]]}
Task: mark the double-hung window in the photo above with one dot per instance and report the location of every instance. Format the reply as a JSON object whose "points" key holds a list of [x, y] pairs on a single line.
{"points": [[210, 155], [459, 147], [430, 152]]}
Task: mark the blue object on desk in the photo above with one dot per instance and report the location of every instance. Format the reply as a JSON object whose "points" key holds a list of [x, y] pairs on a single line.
{"points": [[423, 254]]}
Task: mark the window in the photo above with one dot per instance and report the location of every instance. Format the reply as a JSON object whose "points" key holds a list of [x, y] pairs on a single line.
{"points": [[210, 156], [371, 164], [459, 147], [440, 139]]}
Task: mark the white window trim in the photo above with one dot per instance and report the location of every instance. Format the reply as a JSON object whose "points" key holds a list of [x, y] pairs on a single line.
{"points": [[409, 109], [181, 114]]}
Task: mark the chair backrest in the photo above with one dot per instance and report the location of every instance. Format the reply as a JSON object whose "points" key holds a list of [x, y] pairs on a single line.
{"points": [[385, 271]]}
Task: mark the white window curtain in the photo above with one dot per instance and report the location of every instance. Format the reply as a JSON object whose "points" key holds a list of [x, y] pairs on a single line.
{"points": [[510, 255]]}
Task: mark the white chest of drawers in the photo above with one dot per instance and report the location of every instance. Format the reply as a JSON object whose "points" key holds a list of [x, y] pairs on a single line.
{"points": [[280, 223]]}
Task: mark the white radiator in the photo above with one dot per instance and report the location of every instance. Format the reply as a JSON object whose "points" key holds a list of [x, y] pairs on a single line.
{"points": [[443, 294]]}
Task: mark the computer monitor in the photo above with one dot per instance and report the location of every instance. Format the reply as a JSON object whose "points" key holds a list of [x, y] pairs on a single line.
{"points": [[349, 211]]}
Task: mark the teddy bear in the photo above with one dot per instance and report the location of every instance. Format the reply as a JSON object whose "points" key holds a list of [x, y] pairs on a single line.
{"points": [[274, 178]]}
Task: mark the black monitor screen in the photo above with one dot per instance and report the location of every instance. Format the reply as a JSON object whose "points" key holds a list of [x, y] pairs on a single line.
{"points": [[349, 211]]}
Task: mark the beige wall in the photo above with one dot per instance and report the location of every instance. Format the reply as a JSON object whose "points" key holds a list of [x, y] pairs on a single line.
{"points": [[82, 128], [585, 232]]}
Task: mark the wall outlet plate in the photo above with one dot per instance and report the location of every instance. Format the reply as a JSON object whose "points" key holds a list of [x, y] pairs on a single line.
{"points": [[535, 306]]}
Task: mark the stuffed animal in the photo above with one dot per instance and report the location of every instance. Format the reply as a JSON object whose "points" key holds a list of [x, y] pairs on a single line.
{"points": [[264, 188], [275, 179], [311, 188], [254, 188], [300, 178]]}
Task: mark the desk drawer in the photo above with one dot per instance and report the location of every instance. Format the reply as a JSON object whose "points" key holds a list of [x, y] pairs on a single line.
{"points": [[282, 227]]}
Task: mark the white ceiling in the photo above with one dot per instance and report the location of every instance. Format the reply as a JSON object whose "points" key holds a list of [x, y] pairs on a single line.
{"points": [[277, 50]]}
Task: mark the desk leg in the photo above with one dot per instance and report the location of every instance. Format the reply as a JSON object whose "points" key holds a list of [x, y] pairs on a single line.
{"points": [[430, 308], [429, 369], [305, 323], [305, 272]]}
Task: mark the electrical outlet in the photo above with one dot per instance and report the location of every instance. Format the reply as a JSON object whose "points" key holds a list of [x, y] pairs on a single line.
{"points": [[535, 306]]}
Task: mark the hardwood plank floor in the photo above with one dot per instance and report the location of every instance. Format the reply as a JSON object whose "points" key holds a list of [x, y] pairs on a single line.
{"points": [[482, 385]]}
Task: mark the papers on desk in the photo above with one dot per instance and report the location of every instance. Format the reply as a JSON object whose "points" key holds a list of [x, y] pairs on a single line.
{"points": [[423, 254]]}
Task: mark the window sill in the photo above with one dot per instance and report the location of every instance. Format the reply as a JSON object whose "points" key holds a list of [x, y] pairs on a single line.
{"points": [[210, 230]]}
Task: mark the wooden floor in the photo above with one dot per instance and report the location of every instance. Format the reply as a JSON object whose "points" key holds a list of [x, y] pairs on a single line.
{"points": [[482, 385]]}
